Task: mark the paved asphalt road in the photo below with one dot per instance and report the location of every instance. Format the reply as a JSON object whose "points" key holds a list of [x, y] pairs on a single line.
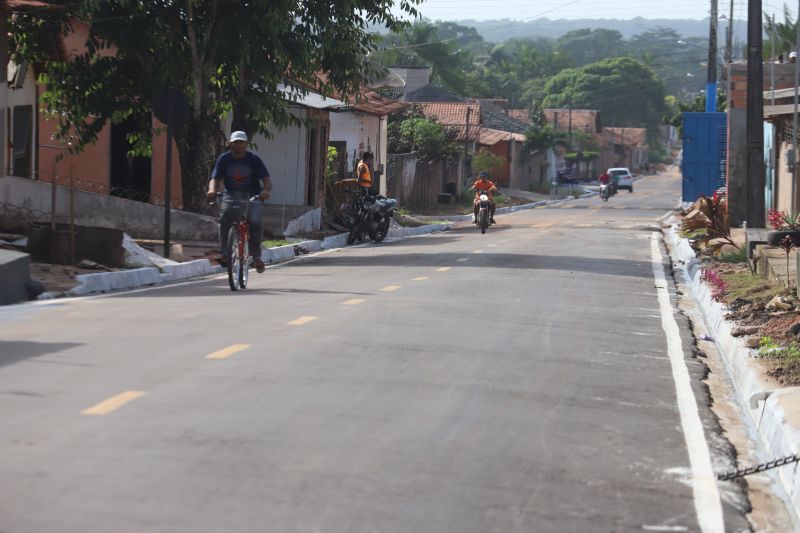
{"points": [[518, 381]]}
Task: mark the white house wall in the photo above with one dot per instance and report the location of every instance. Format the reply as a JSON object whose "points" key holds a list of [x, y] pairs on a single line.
{"points": [[361, 131], [285, 158]]}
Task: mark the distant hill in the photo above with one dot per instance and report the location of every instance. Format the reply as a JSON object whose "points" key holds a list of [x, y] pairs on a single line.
{"points": [[502, 30]]}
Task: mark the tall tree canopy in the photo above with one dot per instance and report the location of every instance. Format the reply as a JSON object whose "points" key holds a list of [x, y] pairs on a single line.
{"points": [[227, 56], [589, 45], [626, 92]]}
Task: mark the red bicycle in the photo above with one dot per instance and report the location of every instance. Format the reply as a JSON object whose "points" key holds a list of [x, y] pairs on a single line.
{"points": [[239, 258]]}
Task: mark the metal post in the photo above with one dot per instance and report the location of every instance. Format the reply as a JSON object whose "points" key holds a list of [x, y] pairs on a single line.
{"points": [[711, 84], [794, 114], [466, 146], [168, 174], [729, 37], [772, 62], [756, 215]]}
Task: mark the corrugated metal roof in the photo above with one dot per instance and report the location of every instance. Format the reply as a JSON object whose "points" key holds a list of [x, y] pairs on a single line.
{"points": [[312, 100], [490, 137], [374, 104], [431, 93], [495, 117]]}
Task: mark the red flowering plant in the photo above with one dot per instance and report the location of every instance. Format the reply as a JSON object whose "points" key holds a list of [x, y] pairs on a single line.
{"points": [[781, 220]]}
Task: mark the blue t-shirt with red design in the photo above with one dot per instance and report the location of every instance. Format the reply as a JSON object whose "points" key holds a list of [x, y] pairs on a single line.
{"points": [[243, 174]]}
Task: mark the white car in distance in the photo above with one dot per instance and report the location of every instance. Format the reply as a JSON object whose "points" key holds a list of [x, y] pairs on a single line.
{"points": [[623, 176]]}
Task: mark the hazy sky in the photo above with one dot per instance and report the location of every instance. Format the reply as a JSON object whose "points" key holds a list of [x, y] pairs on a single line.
{"points": [[576, 9]]}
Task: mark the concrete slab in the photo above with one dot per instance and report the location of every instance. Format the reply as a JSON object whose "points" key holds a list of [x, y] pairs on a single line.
{"points": [[14, 276]]}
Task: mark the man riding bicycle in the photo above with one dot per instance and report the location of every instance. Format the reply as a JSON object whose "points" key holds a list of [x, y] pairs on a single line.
{"points": [[483, 186], [243, 175]]}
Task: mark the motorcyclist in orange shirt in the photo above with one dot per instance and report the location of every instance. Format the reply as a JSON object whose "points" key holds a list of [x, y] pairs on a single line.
{"points": [[483, 186]]}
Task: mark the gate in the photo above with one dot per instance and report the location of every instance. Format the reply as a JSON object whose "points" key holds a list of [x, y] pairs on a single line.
{"points": [[704, 154]]}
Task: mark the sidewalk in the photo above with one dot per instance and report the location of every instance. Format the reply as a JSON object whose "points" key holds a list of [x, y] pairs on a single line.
{"points": [[772, 411]]}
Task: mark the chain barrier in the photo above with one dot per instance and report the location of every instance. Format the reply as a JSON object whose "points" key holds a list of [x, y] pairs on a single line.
{"points": [[769, 465]]}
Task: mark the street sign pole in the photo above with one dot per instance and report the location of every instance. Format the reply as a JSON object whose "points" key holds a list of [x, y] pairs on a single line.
{"points": [[168, 174]]}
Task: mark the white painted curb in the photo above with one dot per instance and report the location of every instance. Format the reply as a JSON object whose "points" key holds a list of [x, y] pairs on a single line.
{"points": [[776, 436], [121, 279]]}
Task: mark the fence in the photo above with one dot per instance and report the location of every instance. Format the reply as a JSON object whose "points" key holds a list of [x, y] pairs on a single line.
{"points": [[418, 183]]}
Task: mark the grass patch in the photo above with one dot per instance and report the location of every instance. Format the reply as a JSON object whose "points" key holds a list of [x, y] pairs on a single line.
{"points": [[273, 243], [769, 349], [749, 287], [737, 256]]}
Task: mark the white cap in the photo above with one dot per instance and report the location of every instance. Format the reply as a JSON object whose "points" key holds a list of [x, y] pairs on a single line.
{"points": [[793, 54], [238, 136]]}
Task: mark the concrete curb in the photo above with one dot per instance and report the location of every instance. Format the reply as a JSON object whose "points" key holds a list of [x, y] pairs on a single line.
{"points": [[776, 436]]}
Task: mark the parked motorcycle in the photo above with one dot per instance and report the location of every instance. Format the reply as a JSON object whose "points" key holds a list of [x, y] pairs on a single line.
{"points": [[605, 192], [370, 217], [484, 212]]}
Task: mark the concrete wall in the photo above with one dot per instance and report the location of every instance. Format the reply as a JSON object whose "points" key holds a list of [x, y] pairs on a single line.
{"points": [[92, 166], [737, 132], [138, 219], [14, 274]]}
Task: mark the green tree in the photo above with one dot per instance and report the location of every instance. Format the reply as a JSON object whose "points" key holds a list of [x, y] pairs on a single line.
{"points": [[227, 56], [484, 160], [626, 92], [432, 140], [785, 34], [590, 45]]}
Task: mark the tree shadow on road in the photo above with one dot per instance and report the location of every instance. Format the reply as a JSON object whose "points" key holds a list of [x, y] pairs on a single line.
{"points": [[595, 265], [15, 351]]}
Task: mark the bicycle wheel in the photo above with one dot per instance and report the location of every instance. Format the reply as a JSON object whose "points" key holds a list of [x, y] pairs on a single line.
{"points": [[244, 264], [233, 258]]}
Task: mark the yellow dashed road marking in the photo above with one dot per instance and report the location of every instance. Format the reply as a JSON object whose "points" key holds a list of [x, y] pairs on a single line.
{"points": [[227, 352], [462, 259], [421, 278], [354, 301], [390, 288], [543, 226], [302, 320], [443, 269], [478, 251], [113, 403]]}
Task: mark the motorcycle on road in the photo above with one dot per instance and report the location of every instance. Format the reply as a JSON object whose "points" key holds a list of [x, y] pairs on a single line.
{"points": [[484, 212], [605, 192], [370, 217]]}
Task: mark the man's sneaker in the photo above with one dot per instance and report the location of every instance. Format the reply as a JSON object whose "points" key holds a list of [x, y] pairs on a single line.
{"points": [[259, 266], [491, 221]]}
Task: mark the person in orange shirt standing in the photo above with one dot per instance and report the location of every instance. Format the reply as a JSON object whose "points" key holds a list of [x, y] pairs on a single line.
{"points": [[364, 173], [483, 186]]}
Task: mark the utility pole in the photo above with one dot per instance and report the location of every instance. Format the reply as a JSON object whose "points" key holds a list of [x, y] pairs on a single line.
{"points": [[794, 114], [756, 215], [711, 84], [729, 37]]}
